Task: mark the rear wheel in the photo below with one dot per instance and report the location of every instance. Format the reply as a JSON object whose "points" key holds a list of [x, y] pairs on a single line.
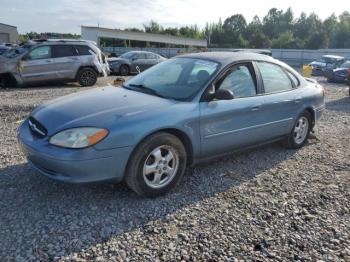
{"points": [[124, 70], [300, 132], [87, 77], [157, 165]]}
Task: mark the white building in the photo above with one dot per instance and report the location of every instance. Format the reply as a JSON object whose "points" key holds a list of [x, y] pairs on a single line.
{"points": [[138, 39], [8, 33]]}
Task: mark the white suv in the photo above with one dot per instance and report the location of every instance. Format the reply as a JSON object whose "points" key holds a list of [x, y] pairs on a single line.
{"points": [[52, 60]]}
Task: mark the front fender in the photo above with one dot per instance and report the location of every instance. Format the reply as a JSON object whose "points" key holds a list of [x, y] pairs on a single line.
{"points": [[131, 130]]}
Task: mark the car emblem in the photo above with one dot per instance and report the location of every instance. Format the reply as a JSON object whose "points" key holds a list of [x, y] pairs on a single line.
{"points": [[35, 129]]}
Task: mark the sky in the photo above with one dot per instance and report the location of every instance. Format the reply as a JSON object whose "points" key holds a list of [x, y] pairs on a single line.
{"points": [[66, 16]]}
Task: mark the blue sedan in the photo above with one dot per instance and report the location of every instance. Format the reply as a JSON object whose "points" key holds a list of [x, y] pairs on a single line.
{"points": [[181, 112]]}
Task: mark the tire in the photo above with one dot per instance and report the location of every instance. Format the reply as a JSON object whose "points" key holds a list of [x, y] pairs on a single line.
{"points": [[87, 77], [299, 134], [157, 165], [7, 81], [124, 70]]}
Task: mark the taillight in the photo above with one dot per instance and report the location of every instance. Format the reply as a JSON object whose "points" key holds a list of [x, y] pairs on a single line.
{"points": [[324, 90]]}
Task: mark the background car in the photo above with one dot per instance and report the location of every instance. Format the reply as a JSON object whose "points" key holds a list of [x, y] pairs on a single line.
{"points": [[339, 74], [349, 80], [4, 48], [52, 60], [128, 62], [326, 62], [183, 111]]}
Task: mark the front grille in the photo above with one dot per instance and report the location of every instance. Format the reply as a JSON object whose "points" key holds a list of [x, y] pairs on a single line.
{"points": [[36, 128]]}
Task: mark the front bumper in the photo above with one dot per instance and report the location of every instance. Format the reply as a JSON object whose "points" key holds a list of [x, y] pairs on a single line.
{"points": [[73, 165], [114, 68]]}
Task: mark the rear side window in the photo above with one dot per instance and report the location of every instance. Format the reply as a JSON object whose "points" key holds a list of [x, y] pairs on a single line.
{"points": [[295, 80], [240, 81], [151, 56], [63, 51], [84, 50], [274, 78], [140, 56]]}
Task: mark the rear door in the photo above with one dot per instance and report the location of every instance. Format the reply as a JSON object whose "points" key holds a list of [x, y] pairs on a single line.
{"points": [[152, 59], [38, 65], [282, 98], [66, 61], [140, 61]]}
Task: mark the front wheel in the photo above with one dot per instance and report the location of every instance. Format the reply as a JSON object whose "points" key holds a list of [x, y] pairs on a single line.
{"points": [[301, 130], [157, 165]]}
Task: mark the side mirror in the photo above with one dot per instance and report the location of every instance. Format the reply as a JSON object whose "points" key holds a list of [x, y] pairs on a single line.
{"points": [[223, 94], [134, 58], [26, 57]]}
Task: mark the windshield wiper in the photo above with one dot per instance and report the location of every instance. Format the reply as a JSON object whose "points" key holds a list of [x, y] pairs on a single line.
{"points": [[147, 89]]}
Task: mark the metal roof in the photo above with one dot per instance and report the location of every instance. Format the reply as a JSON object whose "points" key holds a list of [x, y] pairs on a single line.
{"points": [[93, 33], [8, 25], [229, 57]]}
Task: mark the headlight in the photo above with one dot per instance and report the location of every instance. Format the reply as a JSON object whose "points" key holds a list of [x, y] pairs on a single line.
{"points": [[79, 137]]}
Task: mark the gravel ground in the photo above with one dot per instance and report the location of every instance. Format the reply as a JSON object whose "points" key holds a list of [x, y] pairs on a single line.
{"points": [[264, 204]]}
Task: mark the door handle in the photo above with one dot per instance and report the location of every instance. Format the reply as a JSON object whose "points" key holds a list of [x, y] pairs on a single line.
{"points": [[48, 60], [256, 107], [297, 100]]}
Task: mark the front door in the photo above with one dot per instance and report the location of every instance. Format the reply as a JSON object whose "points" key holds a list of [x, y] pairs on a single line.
{"points": [[38, 65], [226, 125]]}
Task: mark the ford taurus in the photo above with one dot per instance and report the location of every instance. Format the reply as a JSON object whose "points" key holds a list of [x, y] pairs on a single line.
{"points": [[183, 111]]}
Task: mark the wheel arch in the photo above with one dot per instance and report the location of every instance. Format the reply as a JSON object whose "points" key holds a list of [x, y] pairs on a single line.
{"points": [[181, 135], [312, 113]]}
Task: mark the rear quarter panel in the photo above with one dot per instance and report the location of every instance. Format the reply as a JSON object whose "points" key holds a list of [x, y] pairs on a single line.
{"points": [[313, 98]]}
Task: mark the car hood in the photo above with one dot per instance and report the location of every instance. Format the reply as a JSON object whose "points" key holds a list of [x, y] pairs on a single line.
{"points": [[100, 107]]}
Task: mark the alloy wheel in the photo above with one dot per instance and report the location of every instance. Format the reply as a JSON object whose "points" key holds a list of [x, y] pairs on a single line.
{"points": [[160, 166], [301, 130], [88, 78]]}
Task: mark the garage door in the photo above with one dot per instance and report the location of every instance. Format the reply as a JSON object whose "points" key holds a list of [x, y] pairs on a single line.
{"points": [[4, 38]]}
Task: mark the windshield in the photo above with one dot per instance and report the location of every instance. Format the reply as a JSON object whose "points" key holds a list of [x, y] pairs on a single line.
{"points": [[128, 55], [177, 78], [12, 53], [321, 60]]}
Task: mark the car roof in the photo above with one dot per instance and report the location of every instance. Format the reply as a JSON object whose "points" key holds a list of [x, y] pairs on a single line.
{"points": [[333, 56], [143, 52], [226, 58]]}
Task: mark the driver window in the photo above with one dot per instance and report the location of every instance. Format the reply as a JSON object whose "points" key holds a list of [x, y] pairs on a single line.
{"points": [[240, 81], [43, 52]]}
